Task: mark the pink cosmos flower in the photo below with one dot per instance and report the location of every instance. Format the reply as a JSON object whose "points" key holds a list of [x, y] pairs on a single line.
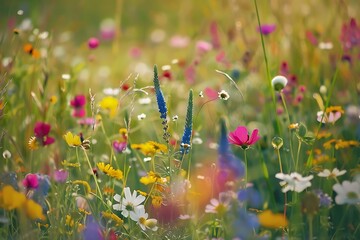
{"points": [[266, 29], [41, 131], [241, 138], [203, 47], [30, 181], [93, 43], [78, 104]]}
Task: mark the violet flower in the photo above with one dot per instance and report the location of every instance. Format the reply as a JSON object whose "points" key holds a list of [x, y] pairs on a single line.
{"points": [[61, 175], [266, 29]]}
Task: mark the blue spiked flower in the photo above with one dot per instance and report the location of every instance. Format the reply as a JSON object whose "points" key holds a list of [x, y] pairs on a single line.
{"points": [[185, 141], [159, 95]]}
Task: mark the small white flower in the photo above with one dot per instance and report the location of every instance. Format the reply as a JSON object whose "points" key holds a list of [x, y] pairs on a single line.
{"points": [[141, 217], [166, 68], [175, 118], [141, 116], [20, 12], [129, 203], [223, 95], [147, 159], [197, 140], [294, 182], [333, 174], [111, 91], [279, 82], [219, 206], [6, 154], [201, 94], [65, 76], [144, 101], [347, 192], [325, 45]]}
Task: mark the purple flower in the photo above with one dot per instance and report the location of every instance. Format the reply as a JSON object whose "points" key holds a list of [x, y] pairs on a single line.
{"points": [[93, 43], [119, 147], [41, 131], [31, 181], [92, 230], [266, 29], [61, 175]]}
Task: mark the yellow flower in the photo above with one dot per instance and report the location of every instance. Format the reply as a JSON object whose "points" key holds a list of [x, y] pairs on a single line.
{"points": [[151, 177], [69, 221], [110, 171], [142, 193], [65, 163], [335, 109], [110, 104], [329, 144], [118, 221], [150, 148], [108, 190], [53, 99], [156, 201], [346, 144], [10, 198], [33, 143], [323, 134], [72, 140], [33, 210], [272, 220]]}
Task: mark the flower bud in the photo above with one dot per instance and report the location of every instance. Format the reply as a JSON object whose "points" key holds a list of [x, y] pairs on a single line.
{"points": [[277, 142], [279, 82]]}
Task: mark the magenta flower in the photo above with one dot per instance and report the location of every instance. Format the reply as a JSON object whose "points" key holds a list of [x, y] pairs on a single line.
{"points": [[266, 29], [78, 103], [119, 147], [93, 43], [203, 47], [61, 175], [241, 138], [30, 181], [41, 131]]}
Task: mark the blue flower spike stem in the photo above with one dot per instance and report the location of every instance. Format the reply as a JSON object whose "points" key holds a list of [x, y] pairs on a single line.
{"points": [[161, 105]]}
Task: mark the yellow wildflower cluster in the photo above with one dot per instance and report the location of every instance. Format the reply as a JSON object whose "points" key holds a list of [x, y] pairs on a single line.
{"points": [[339, 144], [11, 199], [110, 171], [152, 177], [320, 158], [118, 221], [150, 148]]}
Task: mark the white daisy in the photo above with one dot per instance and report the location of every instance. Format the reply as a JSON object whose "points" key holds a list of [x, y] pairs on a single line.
{"points": [[347, 192], [294, 182], [141, 217], [333, 174], [129, 203]]}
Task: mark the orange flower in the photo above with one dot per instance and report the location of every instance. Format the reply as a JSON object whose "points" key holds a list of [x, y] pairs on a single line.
{"points": [[269, 219]]}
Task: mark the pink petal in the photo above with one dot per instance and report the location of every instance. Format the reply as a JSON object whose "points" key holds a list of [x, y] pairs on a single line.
{"points": [[48, 141], [233, 139], [254, 137], [242, 134], [41, 129]]}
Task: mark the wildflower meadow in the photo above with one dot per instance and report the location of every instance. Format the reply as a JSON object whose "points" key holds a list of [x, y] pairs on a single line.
{"points": [[180, 119]]}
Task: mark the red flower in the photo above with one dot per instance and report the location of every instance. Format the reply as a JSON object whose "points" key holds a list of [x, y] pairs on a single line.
{"points": [[241, 138], [41, 131], [78, 104], [31, 181]]}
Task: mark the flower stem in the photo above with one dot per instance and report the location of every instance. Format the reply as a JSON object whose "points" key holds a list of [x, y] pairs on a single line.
{"points": [[279, 157], [246, 168], [297, 156], [310, 220], [96, 183]]}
